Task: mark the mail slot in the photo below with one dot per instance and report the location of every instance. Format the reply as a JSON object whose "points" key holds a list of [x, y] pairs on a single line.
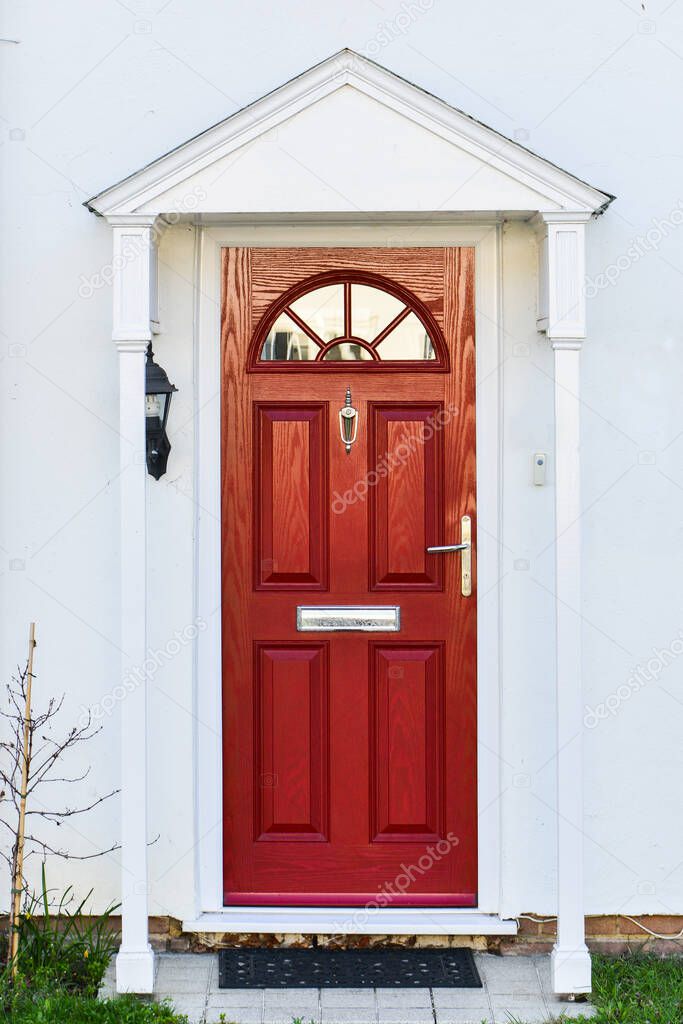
{"points": [[328, 618]]}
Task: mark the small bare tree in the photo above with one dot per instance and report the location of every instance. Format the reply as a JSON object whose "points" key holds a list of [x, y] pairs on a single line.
{"points": [[30, 760]]}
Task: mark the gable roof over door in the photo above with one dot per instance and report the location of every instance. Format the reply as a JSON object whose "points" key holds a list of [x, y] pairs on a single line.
{"points": [[348, 136]]}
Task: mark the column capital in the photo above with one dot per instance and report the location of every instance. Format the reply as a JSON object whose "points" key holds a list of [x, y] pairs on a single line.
{"points": [[133, 220], [134, 269], [541, 220], [567, 344], [131, 346], [561, 274]]}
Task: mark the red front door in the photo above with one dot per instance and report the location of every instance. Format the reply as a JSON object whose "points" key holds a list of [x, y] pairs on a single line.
{"points": [[349, 756]]}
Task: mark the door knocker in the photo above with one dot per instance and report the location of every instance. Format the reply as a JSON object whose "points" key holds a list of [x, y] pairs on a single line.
{"points": [[348, 422]]}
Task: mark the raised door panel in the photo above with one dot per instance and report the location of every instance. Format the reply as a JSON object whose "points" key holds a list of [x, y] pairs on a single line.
{"points": [[290, 507], [406, 506], [407, 743], [292, 742]]}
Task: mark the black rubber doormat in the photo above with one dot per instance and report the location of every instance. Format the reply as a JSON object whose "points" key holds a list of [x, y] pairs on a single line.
{"points": [[347, 968]]}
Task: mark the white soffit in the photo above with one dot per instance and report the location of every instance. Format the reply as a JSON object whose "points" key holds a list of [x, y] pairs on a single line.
{"points": [[348, 136]]}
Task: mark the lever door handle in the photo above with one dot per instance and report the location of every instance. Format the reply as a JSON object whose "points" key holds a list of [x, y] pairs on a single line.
{"points": [[441, 549], [466, 561]]}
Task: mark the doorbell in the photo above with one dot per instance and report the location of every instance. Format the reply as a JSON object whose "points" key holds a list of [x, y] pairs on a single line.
{"points": [[539, 464]]}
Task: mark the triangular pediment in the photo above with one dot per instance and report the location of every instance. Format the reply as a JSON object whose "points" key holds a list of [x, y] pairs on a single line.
{"points": [[347, 136]]}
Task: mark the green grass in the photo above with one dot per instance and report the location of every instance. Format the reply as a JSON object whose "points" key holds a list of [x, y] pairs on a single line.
{"points": [[638, 989], [67, 1008]]}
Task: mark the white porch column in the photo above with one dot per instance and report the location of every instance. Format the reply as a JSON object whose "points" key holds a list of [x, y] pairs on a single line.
{"points": [[571, 965], [134, 292], [562, 316]]}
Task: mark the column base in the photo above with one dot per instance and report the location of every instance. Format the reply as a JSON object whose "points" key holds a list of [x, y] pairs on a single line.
{"points": [[570, 970], [135, 970]]}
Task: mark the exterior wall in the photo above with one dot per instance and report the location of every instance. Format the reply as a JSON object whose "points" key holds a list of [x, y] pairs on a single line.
{"points": [[99, 99]]}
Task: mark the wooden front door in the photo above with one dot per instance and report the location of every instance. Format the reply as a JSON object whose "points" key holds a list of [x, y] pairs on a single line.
{"points": [[349, 756]]}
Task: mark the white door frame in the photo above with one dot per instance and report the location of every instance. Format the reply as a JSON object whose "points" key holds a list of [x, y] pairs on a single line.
{"points": [[211, 915]]}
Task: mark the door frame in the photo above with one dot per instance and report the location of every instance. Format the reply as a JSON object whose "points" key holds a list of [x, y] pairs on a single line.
{"points": [[383, 232]]}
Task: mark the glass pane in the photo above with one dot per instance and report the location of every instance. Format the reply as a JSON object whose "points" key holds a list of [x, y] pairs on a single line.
{"points": [[323, 311], [371, 311], [287, 341], [407, 341], [347, 351]]}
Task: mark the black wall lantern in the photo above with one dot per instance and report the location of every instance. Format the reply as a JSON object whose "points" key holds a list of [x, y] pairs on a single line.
{"points": [[158, 391]]}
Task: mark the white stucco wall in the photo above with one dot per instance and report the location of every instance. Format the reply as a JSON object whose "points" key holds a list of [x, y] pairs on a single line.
{"points": [[95, 96]]}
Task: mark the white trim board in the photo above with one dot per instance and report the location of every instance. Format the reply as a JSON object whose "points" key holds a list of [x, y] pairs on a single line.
{"points": [[207, 684], [146, 189], [351, 921]]}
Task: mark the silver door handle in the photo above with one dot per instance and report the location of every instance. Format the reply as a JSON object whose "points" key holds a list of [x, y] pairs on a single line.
{"points": [[441, 549], [466, 547]]}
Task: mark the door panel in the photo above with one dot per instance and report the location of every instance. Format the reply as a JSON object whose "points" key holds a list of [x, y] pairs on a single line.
{"points": [[406, 504], [292, 751], [290, 497], [406, 766], [349, 758]]}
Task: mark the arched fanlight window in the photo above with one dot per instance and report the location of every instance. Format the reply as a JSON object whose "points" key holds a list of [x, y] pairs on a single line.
{"points": [[342, 319]]}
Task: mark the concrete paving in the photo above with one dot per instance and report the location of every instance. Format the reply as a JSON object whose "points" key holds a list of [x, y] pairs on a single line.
{"points": [[516, 989]]}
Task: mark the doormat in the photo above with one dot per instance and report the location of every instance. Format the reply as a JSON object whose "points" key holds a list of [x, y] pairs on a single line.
{"points": [[347, 968]]}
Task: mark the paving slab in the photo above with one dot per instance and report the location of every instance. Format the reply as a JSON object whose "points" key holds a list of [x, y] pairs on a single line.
{"points": [[166, 969], [542, 964], [237, 1015], [512, 975], [529, 1013], [303, 997], [403, 1015], [462, 997], [185, 959], [191, 1005], [416, 998], [348, 997], [515, 999], [287, 1016], [227, 997], [346, 1015], [167, 984], [455, 1015]]}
